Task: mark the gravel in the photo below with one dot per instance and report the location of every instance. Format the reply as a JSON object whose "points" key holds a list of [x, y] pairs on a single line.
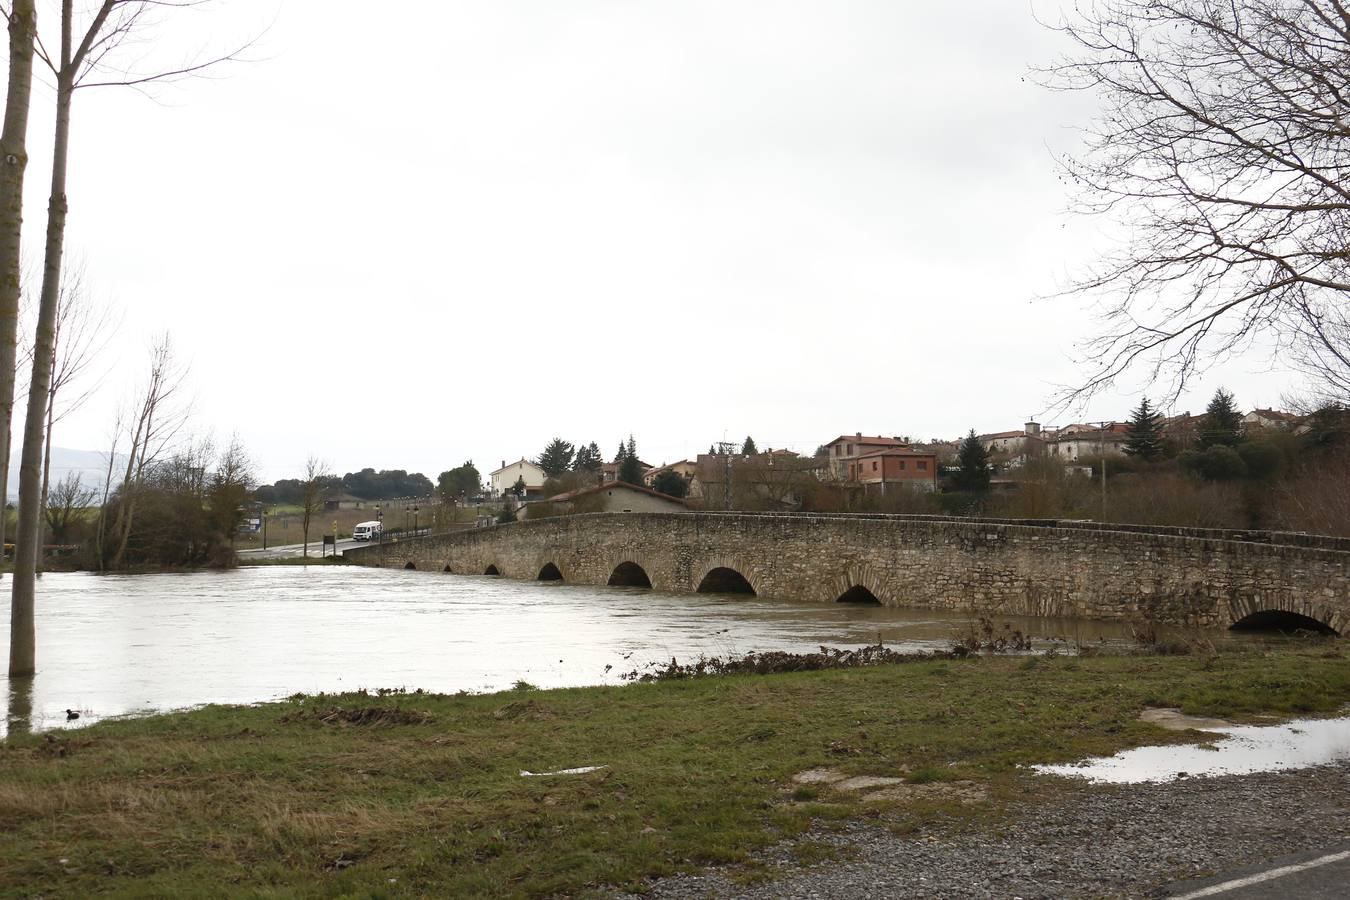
{"points": [[1090, 841]]}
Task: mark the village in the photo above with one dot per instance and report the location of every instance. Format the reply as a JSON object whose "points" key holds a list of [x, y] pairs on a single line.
{"points": [[855, 469]]}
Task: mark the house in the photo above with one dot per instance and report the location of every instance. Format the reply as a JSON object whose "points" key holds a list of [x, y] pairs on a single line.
{"points": [[1181, 430], [344, 501], [774, 479], [505, 478], [618, 496], [1028, 441], [685, 468], [609, 472], [1269, 420], [846, 448], [1074, 442], [912, 469]]}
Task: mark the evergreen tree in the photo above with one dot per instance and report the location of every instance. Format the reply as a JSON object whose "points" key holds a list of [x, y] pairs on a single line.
{"points": [[619, 456], [556, 458], [749, 448], [712, 449], [974, 462], [587, 458], [1144, 440], [671, 483], [518, 488], [1223, 423], [630, 470]]}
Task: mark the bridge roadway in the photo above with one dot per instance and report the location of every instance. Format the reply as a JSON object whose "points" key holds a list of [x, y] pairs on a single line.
{"points": [[1177, 576]]}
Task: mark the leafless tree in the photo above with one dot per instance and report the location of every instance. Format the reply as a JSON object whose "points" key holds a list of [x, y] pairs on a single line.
{"points": [[1324, 358], [152, 428], [1223, 155], [312, 490], [22, 16], [68, 500], [101, 526], [82, 331], [85, 57]]}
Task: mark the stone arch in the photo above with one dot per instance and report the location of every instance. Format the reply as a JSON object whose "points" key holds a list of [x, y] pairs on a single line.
{"points": [[492, 570], [410, 565], [1251, 614], [549, 572], [447, 569], [865, 578], [704, 566], [1282, 621], [629, 574], [630, 555], [725, 580], [859, 596]]}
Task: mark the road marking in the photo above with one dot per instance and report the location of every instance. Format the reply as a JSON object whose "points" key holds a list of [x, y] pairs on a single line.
{"points": [[1264, 876]]}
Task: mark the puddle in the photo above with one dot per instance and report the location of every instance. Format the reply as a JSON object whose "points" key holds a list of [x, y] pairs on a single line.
{"points": [[1242, 750]]}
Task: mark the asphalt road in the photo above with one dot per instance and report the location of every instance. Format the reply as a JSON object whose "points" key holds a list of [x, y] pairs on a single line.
{"points": [[1321, 875], [289, 550]]}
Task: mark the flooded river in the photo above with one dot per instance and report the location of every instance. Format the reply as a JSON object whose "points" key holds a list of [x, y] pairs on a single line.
{"points": [[112, 645]]}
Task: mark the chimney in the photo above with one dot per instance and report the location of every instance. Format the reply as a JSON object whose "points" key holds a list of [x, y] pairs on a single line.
{"points": [[503, 464], [858, 434]]}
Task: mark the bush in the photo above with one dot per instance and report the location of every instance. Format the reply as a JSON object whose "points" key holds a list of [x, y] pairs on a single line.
{"points": [[1218, 463], [1261, 459]]}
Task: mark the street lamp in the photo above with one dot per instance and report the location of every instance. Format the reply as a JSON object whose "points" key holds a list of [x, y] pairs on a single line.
{"points": [[415, 519]]}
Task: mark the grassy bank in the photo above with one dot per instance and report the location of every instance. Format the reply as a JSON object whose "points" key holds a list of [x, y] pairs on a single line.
{"points": [[417, 794]]}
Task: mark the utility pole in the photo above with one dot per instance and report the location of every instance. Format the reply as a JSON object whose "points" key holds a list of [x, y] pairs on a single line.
{"points": [[726, 450], [1101, 454]]}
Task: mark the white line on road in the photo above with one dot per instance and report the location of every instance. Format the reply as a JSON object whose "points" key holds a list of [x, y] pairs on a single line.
{"points": [[1270, 875]]}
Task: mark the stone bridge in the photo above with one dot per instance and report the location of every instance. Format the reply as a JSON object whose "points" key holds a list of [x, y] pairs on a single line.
{"points": [[1028, 567]]}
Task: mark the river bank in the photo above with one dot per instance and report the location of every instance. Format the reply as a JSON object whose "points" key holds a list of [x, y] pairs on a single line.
{"points": [[410, 793]]}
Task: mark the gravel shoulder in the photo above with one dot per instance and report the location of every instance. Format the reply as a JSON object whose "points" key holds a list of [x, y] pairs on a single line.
{"points": [[1083, 841]]}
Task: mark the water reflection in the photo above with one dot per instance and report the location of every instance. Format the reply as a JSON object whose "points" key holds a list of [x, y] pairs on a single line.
{"points": [[114, 644], [19, 712], [1245, 749]]}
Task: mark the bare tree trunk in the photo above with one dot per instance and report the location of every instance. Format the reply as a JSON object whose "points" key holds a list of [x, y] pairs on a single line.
{"points": [[13, 164], [27, 544], [46, 478]]}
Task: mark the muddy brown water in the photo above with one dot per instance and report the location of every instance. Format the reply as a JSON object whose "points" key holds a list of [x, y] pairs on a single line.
{"points": [[115, 645]]}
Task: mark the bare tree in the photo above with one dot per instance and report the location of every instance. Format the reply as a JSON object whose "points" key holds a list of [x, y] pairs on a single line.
{"points": [[82, 331], [152, 428], [83, 60], [22, 15], [68, 500], [1223, 154], [312, 490], [1324, 357], [101, 526]]}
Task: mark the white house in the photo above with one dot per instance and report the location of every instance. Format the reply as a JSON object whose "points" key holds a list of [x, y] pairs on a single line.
{"points": [[505, 478]]}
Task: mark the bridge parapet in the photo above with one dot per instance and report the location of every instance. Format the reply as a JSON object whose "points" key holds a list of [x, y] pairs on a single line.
{"points": [[1015, 567]]}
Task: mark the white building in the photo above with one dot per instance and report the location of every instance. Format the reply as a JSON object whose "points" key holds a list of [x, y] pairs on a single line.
{"points": [[1074, 442], [505, 478]]}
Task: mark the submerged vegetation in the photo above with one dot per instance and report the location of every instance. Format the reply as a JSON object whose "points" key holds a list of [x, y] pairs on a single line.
{"points": [[392, 792]]}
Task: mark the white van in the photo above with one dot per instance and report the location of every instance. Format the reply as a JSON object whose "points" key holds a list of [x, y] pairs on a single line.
{"points": [[367, 531]]}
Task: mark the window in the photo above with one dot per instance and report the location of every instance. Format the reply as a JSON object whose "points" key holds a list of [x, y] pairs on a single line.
{"points": [[902, 465], [923, 465], [874, 465]]}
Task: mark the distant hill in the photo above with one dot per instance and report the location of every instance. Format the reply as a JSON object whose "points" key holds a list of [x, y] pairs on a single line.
{"points": [[91, 464]]}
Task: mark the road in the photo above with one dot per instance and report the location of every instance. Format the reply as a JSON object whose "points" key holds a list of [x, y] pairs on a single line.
{"points": [[285, 551], [1308, 876], [288, 550]]}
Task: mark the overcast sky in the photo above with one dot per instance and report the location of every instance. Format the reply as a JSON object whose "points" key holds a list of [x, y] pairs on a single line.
{"points": [[417, 233]]}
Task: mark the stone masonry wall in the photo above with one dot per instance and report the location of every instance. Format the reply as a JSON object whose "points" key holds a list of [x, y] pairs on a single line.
{"points": [[995, 567]]}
